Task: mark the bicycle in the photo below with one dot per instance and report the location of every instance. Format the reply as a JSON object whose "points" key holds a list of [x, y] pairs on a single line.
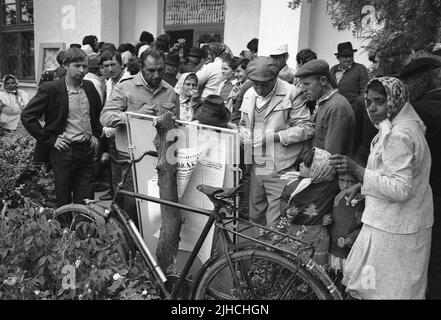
{"points": [[261, 267]]}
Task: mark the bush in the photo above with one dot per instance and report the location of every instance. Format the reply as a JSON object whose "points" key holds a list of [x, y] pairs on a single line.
{"points": [[40, 260], [20, 176]]}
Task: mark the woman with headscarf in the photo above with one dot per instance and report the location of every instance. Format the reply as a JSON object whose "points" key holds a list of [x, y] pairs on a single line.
{"points": [[210, 76], [389, 259], [12, 102], [189, 99], [306, 200]]}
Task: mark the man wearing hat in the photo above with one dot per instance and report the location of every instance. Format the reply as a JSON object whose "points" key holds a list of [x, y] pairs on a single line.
{"points": [[334, 117], [172, 63], [348, 76], [280, 56], [212, 112], [194, 57], [275, 127], [422, 77]]}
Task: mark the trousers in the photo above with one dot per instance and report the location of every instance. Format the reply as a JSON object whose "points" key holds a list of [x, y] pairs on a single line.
{"points": [[265, 192], [74, 173]]}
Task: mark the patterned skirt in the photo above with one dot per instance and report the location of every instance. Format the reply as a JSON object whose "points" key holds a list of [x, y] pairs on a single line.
{"points": [[316, 235]]}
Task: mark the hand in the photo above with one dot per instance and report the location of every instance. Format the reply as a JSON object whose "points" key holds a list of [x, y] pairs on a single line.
{"points": [[349, 194], [109, 132], [105, 157], [245, 135], [93, 143], [348, 242], [327, 220], [344, 164], [194, 94], [341, 242], [61, 144]]}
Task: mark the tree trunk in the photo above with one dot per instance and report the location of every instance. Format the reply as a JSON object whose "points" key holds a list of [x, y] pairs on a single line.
{"points": [[171, 217]]}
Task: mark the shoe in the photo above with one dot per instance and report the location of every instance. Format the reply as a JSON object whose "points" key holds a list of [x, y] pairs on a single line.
{"points": [[106, 197]]}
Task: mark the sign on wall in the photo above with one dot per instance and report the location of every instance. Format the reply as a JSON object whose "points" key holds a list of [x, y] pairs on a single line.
{"points": [[179, 12]]}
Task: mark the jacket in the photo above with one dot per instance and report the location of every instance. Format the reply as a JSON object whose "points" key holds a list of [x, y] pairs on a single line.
{"points": [[134, 95], [335, 125], [210, 77], [52, 102], [354, 81], [288, 116], [429, 110], [396, 180]]}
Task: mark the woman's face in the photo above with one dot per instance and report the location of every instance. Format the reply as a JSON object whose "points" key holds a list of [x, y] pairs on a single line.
{"points": [[240, 74], [377, 106], [11, 84], [227, 72], [304, 171], [190, 84]]}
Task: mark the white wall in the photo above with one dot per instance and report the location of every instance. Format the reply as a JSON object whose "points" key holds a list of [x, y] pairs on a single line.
{"points": [[242, 20], [324, 38], [279, 24], [140, 15]]}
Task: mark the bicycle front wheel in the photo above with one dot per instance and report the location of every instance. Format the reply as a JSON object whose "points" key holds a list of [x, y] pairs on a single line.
{"points": [[258, 275], [85, 222]]}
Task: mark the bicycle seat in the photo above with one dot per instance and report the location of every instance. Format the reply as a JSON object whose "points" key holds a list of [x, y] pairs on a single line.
{"points": [[213, 192]]}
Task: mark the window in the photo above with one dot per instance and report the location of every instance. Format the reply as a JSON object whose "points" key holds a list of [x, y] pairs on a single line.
{"points": [[17, 53]]}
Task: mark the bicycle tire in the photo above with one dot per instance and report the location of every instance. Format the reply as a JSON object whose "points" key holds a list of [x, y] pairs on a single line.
{"points": [[126, 248], [216, 282]]}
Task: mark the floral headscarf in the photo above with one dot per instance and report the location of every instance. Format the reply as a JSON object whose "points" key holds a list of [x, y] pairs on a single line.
{"points": [[397, 97], [7, 77], [321, 171], [216, 49], [396, 94]]}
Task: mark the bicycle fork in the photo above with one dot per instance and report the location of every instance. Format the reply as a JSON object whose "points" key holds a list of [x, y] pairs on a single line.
{"points": [[143, 249]]}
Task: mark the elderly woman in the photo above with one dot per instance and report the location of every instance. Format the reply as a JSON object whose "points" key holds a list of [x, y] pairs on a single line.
{"points": [[12, 102], [389, 259], [189, 99]]}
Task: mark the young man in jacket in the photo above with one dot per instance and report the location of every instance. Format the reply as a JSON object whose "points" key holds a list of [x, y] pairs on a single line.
{"points": [[71, 107]]}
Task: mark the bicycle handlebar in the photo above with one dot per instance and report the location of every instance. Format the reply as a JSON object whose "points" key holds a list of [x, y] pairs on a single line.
{"points": [[137, 160]]}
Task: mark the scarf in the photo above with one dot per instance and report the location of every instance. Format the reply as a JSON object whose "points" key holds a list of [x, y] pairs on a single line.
{"points": [[321, 171], [397, 96], [7, 77]]}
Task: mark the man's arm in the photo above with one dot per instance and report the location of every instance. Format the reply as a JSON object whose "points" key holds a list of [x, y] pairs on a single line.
{"points": [[33, 111], [337, 131], [112, 114], [364, 79], [301, 127]]}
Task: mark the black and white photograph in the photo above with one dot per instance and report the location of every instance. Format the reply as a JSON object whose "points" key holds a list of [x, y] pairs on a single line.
{"points": [[229, 151]]}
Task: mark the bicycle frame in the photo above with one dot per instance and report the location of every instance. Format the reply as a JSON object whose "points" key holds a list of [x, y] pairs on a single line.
{"points": [[214, 217]]}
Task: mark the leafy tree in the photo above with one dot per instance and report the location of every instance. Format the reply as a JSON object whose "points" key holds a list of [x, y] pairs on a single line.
{"points": [[407, 26]]}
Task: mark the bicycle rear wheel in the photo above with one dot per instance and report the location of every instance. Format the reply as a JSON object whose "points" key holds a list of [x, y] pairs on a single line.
{"points": [[260, 275], [85, 222]]}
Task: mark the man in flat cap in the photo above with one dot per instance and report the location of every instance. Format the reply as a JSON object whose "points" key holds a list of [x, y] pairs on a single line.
{"points": [[422, 77], [334, 117], [276, 128]]}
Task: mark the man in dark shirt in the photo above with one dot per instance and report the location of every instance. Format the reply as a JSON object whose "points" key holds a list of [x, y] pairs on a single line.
{"points": [[71, 107], [422, 77]]}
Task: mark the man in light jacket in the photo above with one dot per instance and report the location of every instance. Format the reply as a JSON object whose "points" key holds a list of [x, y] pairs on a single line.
{"points": [[275, 128]]}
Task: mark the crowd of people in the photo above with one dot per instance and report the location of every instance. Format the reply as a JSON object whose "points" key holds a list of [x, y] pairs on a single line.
{"points": [[348, 156]]}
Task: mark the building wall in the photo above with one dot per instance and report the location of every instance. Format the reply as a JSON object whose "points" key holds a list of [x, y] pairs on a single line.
{"points": [[242, 20], [140, 15], [279, 24], [324, 37]]}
